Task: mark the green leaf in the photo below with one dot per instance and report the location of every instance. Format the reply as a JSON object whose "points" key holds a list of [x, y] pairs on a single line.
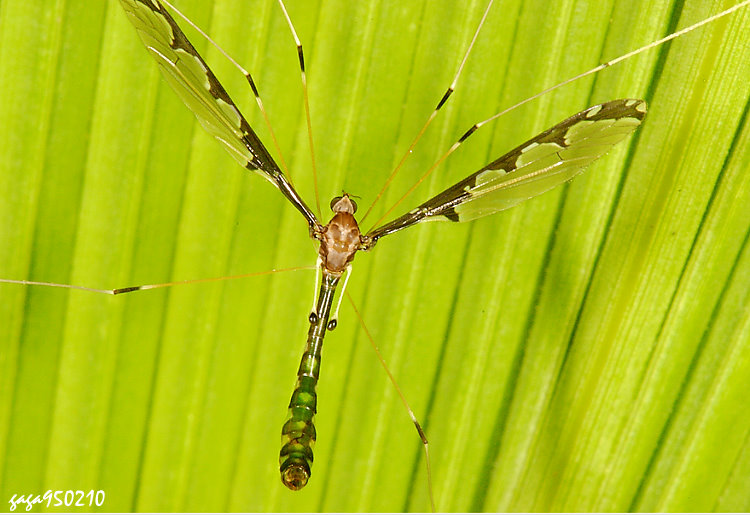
{"points": [[587, 350]]}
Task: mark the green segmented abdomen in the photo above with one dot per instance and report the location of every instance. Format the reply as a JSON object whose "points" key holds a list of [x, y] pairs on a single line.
{"points": [[298, 433]]}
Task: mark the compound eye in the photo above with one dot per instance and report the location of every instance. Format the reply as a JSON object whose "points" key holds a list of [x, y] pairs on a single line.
{"points": [[343, 204], [335, 201]]}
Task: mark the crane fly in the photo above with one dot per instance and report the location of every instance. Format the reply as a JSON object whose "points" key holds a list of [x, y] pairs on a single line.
{"points": [[545, 161]]}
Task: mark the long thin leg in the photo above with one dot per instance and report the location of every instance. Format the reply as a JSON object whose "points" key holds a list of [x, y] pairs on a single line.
{"points": [[420, 431], [314, 309], [596, 69], [128, 289], [434, 113], [254, 88], [334, 321], [301, 56], [250, 81]]}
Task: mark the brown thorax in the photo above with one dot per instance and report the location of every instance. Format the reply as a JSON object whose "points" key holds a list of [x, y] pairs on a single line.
{"points": [[340, 239]]}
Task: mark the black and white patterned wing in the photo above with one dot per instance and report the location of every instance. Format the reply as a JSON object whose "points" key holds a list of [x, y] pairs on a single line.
{"points": [[197, 86], [545, 161]]}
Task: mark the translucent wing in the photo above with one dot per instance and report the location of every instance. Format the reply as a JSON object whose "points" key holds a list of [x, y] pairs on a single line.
{"points": [[194, 82], [545, 161]]}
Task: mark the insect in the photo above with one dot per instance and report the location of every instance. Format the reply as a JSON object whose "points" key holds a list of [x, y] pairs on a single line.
{"points": [[548, 160], [327, 365]]}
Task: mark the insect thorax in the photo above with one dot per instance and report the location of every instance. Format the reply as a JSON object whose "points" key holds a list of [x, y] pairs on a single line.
{"points": [[340, 239]]}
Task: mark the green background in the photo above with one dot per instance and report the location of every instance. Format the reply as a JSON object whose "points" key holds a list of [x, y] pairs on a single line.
{"points": [[588, 350]]}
